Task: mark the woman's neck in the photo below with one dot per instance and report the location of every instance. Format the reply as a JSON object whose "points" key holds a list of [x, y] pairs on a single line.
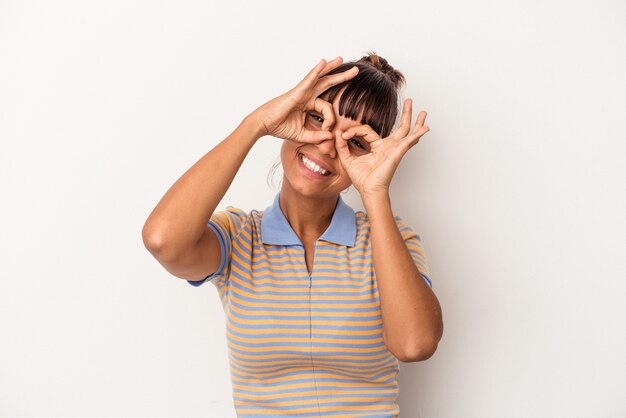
{"points": [[308, 216]]}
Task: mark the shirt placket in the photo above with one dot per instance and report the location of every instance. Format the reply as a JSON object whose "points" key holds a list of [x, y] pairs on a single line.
{"points": [[310, 285]]}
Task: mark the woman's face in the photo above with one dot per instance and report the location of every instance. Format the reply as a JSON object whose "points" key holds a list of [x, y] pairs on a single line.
{"points": [[302, 162]]}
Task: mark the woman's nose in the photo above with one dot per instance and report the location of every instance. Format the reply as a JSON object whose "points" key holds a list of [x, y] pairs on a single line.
{"points": [[328, 147]]}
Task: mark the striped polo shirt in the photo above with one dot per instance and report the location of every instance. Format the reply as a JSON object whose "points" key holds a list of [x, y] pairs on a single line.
{"points": [[300, 344]]}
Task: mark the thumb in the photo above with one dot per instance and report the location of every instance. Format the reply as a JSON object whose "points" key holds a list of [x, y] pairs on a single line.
{"points": [[341, 146]]}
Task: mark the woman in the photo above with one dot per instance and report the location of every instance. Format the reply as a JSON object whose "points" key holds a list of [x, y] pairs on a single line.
{"points": [[320, 302]]}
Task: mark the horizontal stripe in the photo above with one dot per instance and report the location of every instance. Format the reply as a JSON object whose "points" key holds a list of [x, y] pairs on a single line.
{"points": [[305, 344]]}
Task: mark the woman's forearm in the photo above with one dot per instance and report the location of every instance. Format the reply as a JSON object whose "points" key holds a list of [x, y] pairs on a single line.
{"points": [[412, 323], [179, 219]]}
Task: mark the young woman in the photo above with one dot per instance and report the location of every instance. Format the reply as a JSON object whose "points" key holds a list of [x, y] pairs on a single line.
{"points": [[320, 302]]}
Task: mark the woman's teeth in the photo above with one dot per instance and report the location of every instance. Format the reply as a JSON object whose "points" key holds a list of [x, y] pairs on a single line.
{"points": [[313, 167]]}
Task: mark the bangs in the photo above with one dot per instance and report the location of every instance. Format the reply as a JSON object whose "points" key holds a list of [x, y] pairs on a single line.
{"points": [[370, 92]]}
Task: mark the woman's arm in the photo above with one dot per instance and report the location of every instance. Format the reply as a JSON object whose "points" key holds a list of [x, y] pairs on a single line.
{"points": [[412, 322], [176, 231], [179, 221]]}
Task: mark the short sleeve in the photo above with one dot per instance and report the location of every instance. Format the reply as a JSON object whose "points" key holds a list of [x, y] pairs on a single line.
{"points": [[416, 248], [227, 225]]}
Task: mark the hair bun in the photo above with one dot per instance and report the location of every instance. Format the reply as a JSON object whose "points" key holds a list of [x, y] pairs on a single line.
{"points": [[382, 65]]}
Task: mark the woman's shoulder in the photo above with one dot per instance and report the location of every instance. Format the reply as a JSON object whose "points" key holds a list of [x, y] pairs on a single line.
{"points": [[238, 215], [362, 218], [240, 211], [363, 224]]}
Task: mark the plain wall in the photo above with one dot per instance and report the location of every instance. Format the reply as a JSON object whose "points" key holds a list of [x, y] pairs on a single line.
{"points": [[517, 192]]}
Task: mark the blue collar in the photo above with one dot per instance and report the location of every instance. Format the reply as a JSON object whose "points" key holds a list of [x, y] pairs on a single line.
{"points": [[275, 228]]}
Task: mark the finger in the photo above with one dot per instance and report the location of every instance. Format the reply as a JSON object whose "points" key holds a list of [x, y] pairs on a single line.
{"points": [[328, 81], [405, 120], [314, 137], [327, 111], [414, 138], [419, 123], [362, 131], [311, 78], [331, 65], [341, 145]]}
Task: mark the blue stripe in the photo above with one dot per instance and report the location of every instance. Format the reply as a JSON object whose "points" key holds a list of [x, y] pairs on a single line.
{"points": [[348, 302]]}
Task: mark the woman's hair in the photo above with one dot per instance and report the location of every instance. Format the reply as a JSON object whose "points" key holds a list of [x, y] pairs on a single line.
{"points": [[374, 89]]}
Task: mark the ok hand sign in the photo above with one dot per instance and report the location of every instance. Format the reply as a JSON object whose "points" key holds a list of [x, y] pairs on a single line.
{"points": [[285, 116], [371, 172]]}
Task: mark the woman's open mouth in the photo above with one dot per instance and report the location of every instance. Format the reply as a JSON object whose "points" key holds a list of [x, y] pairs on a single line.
{"points": [[311, 168]]}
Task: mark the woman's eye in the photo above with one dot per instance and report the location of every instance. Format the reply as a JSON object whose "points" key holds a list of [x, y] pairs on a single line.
{"points": [[317, 118], [357, 143]]}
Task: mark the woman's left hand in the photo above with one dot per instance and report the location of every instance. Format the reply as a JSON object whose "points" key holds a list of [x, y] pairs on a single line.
{"points": [[371, 172]]}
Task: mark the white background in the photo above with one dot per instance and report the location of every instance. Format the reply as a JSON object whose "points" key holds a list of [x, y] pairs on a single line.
{"points": [[517, 192]]}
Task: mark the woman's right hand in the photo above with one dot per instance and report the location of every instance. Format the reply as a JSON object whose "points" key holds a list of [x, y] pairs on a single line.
{"points": [[285, 116]]}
